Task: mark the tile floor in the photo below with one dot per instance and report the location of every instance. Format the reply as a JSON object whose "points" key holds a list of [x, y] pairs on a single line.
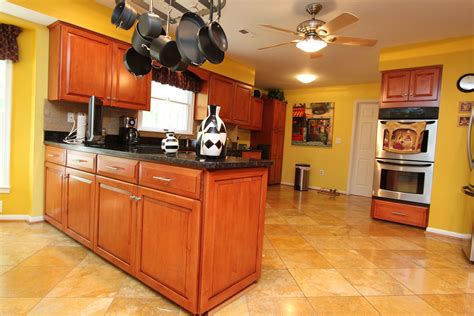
{"points": [[322, 255]]}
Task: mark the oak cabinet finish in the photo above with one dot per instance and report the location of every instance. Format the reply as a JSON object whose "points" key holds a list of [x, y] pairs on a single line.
{"points": [[55, 155], [118, 168], [168, 244], [79, 205], [252, 155], [53, 194], [256, 113], [400, 212], [83, 63], [221, 92], [415, 87], [241, 108], [82, 161]]}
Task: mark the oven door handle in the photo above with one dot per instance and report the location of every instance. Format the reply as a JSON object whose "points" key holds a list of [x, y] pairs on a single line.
{"points": [[408, 122], [404, 164]]}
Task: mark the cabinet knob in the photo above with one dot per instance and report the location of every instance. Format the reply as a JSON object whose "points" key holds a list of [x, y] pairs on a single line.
{"points": [[405, 94]]}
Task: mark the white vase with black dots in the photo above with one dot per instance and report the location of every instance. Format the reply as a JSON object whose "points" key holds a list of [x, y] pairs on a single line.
{"points": [[212, 135], [170, 144]]}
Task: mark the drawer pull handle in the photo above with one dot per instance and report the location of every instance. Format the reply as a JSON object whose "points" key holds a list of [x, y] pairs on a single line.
{"points": [[51, 155], [113, 168], [399, 214], [135, 198], [79, 160], [162, 179]]}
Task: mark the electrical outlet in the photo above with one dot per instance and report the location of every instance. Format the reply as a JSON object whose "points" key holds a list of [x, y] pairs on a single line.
{"points": [[338, 140], [321, 172], [70, 117], [1, 206]]}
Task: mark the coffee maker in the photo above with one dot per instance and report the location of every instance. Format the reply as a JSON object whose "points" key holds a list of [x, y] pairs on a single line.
{"points": [[128, 133]]}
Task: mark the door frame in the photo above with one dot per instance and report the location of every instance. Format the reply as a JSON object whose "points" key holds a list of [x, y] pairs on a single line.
{"points": [[355, 110]]}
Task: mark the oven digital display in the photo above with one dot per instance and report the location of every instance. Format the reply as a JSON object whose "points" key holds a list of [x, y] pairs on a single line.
{"points": [[402, 181]]}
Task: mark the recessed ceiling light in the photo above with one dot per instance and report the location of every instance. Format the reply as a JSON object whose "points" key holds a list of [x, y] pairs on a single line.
{"points": [[306, 78]]}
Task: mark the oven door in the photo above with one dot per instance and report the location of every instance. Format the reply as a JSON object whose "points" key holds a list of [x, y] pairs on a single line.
{"points": [[403, 180], [428, 145]]}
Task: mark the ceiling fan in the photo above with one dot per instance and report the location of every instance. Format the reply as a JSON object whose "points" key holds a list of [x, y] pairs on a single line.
{"points": [[316, 34]]}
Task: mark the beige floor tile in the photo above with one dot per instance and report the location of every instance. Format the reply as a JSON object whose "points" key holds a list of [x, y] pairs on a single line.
{"points": [[460, 278], [462, 304], [28, 282], [280, 230], [15, 252], [388, 259], [401, 305], [342, 259], [271, 260], [143, 306], [133, 288], [71, 306], [420, 281], [342, 305], [266, 243], [275, 219], [289, 242], [17, 306], [323, 282], [90, 280], [360, 242], [236, 307], [299, 220], [56, 256], [396, 243], [373, 282], [303, 259], [4, 269], [275, 283], [280, 306], [322, 243]]}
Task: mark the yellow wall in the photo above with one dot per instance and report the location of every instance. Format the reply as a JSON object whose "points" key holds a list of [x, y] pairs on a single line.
{"points": [[448, 203], [335, 160]]}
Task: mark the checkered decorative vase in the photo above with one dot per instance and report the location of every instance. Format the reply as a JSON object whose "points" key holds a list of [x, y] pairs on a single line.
{"points": [[212, 134]]}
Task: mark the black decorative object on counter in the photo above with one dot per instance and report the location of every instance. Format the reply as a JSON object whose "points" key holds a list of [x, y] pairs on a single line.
{"points": [[170, 144], [212, 135]]}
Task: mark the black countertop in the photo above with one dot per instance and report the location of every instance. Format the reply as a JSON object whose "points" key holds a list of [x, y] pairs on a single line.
{"points": [[155, 154]]}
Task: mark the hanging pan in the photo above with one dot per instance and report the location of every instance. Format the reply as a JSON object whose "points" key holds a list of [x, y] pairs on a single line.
{"points": [[140, 43], [150, 24], [136, 63], [123, 15], [216, 32], [187, 38], [205, 45]]}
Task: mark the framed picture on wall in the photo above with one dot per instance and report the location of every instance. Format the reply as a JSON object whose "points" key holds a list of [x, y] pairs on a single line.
{"points": [[465, 106], [463, 121], [313, 124]]}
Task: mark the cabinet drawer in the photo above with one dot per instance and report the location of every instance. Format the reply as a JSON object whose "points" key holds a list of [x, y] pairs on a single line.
{"points": [[118, 168], [82, 161], [181, 181], [252, 155], [55, 155], [400, 213]]}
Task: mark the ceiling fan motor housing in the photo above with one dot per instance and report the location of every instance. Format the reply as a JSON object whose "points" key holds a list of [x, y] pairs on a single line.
{"points": [[309, 27]]}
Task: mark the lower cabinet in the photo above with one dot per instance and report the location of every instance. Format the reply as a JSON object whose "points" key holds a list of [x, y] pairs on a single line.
{"points": [[53, 191], [116, 222], [79, 196], [168, 228]]}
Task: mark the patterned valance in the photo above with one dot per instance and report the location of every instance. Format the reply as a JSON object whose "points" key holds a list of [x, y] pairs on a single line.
{"points": [[185, 80], [8, 43]]}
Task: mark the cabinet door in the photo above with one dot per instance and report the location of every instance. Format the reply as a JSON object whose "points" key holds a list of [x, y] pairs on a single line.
{"points": [[256, 113], [424, 84], [279, 115], [128, 91], [116, 222], [241, 107], [168, 244], [221, 92], [79, 205], [395, 86], [85, 66], [53, 194]]}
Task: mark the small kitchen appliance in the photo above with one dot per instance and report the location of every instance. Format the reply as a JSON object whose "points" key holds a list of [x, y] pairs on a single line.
{"points": [[468, 245], [128, 133]]}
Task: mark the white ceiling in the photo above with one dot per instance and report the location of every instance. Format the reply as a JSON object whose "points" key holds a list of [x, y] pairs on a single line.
{"points": [[392, 22]]}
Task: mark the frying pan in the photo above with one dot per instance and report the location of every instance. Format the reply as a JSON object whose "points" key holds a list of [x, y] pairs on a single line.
{"points": [[187, 38], [149, 24], [123, 16], [205, 44], [136, 63], [140, 43], [216, 32]]}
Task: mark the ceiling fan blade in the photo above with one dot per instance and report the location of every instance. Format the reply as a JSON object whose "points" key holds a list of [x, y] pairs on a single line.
{"points": [[279, 29], [315, 55], [354, 41], [339, 22], [278, 45]]}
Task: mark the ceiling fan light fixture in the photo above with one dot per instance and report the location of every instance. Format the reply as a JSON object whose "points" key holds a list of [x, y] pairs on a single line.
{"points": [[311, 44], [306, 78]]}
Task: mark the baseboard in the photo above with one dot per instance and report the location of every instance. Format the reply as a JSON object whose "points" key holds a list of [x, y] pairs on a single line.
{"points": [[28, 218], [310, 187], [448, 233]]}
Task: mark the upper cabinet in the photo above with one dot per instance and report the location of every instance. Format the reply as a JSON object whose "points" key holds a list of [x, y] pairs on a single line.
{"points": [[256, 113], [83, 63], [411, 87], [241, 109]]}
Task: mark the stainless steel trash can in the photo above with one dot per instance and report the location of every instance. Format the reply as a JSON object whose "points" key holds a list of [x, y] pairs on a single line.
{"points": [[302, 176]]}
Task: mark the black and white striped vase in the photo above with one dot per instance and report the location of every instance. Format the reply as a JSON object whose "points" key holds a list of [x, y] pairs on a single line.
{"points": [[212, 135], [170, 144]]}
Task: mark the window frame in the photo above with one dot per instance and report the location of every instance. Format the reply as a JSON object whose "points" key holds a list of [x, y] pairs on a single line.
{"points": [[190, 124], [5, 128]]}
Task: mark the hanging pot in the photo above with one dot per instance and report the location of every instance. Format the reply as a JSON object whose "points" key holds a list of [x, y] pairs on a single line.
{"points": [[206, 46], [216, 32], [150, 24], [136, 63], [123, 15], [187, 38], [140, 43]]}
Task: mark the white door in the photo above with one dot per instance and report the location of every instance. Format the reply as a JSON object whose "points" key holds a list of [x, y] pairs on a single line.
{"points": [[363, 152]]}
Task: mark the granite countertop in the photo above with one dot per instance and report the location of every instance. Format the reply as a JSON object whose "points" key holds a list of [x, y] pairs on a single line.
{"points": [[155, 154]]}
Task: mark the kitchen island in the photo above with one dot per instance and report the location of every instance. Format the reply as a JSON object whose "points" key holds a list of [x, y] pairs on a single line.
{"points": [[189, 228]]}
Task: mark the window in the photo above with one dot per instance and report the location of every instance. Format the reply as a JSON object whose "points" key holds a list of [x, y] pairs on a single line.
{"points": [[5, 114], [171, 109]]}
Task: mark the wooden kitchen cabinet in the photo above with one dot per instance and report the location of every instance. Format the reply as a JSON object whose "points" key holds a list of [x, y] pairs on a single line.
{"points": [[221, 92], [83, 63], [79, 196], [53, 194], [116, 222], [168, 244], [414, 87], [256, 113], [241, 107]]}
